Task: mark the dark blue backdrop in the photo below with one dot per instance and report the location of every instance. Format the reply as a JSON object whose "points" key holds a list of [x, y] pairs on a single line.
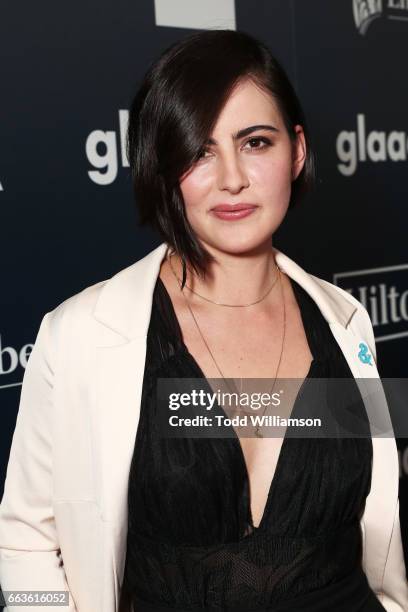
{"points": [[67, 215]]}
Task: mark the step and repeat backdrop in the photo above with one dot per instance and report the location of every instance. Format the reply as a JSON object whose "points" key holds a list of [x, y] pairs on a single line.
{"points": [[67, 213]]}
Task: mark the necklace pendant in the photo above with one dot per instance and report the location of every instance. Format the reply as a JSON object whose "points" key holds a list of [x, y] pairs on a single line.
{"points": [[258, 433]]}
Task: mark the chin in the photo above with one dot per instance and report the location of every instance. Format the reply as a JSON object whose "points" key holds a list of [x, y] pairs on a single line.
{"points": [[238, 246]]}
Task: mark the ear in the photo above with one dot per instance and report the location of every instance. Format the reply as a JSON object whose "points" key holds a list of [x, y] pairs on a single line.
{"points": [[299, 152]]}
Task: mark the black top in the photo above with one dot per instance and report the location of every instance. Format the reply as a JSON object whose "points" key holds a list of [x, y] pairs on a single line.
{"points": [[191, 542]]}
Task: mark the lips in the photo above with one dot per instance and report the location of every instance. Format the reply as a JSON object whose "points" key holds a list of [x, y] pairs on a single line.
{"points": [[232, 207], [233, 212]]}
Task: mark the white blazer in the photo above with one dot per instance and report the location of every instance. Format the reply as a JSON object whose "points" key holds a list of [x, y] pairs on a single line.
{"points": [[63, 515]]}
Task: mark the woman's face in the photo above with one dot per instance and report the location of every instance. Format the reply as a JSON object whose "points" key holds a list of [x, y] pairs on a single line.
{"points": [[255, 168]]}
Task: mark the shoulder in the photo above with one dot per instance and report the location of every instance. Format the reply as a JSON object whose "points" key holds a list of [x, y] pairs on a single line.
{"points": [[121, 302], [84, 302], [343, 294], [360, 323], [74, 315], [337, 304], [76, 308]]}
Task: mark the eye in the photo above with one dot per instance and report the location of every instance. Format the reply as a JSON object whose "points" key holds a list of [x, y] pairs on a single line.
{"points": [[201, 153], [256, 140], [257, 143]]}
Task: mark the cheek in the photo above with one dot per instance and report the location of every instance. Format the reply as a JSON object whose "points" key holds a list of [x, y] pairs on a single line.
{"points": [[195, 185], [272, 173]]}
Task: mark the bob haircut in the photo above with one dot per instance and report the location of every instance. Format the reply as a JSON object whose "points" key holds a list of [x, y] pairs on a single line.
{"points": [[173, 114]]}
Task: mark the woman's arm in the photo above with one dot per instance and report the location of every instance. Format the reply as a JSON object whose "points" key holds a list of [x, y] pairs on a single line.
{"points": [[29, 550], [394, 594]]}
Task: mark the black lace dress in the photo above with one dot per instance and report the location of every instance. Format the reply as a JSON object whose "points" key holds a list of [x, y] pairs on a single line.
{"points": [[191, 543]]}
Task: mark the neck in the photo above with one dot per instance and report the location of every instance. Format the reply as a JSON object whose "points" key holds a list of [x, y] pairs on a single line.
{"points": [[233, 278]]}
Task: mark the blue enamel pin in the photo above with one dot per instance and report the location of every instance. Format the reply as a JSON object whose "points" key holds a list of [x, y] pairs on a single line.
{"points": [[363, 354]]}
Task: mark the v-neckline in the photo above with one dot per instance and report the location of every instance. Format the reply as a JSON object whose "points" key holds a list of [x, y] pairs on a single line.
{"points": [[237, 442], [235, 437]]}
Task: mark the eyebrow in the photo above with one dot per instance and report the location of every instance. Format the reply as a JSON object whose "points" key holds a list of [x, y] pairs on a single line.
{"points": [[245, 131]]}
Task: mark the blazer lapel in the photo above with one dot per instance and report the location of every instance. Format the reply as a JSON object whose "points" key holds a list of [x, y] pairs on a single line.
{"points": [[119, 379], [382, 500], [124, 308]]}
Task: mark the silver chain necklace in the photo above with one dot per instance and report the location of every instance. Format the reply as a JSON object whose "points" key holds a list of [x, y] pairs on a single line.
{"points": [[257, 429]]}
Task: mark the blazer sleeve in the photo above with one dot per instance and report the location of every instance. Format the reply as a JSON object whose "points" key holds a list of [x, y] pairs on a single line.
{"points": [[394, 589], [394, 594], [29, 551]]}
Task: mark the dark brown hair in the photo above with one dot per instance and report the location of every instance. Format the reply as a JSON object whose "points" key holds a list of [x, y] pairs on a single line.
{"points": [[174, 112]]}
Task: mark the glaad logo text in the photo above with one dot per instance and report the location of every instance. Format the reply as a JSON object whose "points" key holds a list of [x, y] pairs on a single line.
{"points": [[107, 160], [354, 146]]}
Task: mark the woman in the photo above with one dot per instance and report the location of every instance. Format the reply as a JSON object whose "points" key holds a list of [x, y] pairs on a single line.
{"points": [[219, 151]]}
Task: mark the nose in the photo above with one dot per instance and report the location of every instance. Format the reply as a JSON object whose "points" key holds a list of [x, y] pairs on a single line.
{"points": [[231, 174]]}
